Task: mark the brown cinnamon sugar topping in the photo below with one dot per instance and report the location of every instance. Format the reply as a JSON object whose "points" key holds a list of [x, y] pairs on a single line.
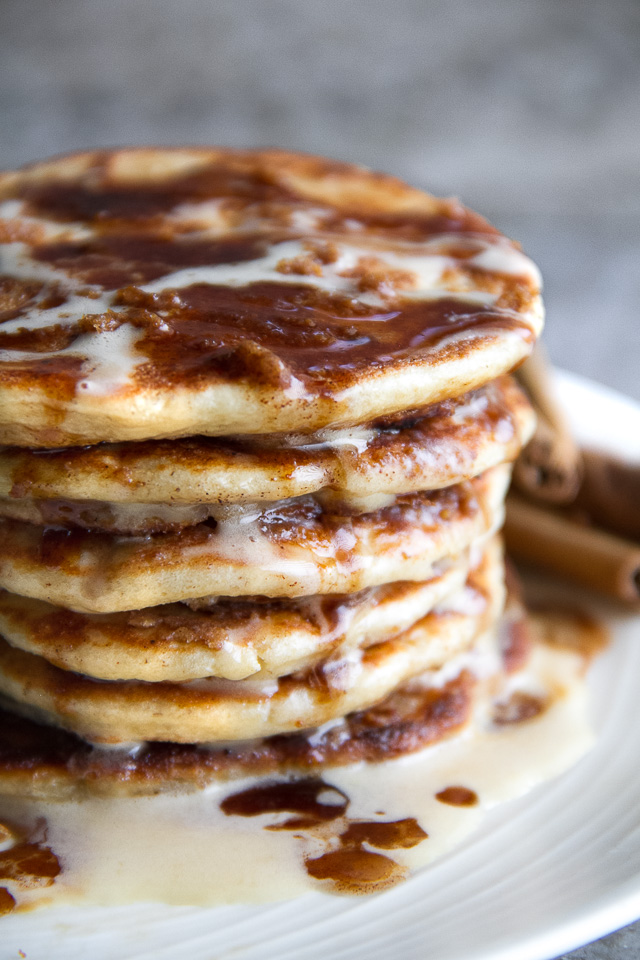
{"points": [[458, 797], [351, 868], [355, 870], [264, 332], [267, 333], [103, 203], [519, 707], [241, 182], [372, 273], [115, 261], [16, 294], [395, 835], [29, 864], [317, 255], [43, 340], [311, 798]]}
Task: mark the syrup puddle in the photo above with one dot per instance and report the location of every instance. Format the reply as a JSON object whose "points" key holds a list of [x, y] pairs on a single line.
{"points": [[350, 867], [26, 863]]}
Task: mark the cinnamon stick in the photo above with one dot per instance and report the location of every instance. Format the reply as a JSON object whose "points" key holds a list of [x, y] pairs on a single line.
{"points": [[549, 469], [591, 557], [610, 494]]}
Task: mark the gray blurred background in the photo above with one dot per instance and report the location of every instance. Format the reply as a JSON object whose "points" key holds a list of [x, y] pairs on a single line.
{"points": [[529, 110]]}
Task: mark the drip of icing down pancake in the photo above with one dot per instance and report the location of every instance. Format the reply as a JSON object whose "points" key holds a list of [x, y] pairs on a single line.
{"points": [[293, 321]]}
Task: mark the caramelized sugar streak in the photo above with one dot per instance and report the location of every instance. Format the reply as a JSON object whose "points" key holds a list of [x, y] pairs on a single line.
{"points": [[102, 204], [458, 797], [386, 836], [112, 262], [519, 707], [267, 332], [353, 870], [111, 206], [307, 797], [27, 862]]}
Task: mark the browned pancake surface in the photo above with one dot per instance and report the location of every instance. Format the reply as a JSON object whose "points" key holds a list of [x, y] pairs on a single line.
{"points": [[44, 761], [38, 760], [215, 710]]}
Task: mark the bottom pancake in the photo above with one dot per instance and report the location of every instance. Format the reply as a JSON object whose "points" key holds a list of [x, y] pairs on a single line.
{"points": [[38, 760], [304, 823]]}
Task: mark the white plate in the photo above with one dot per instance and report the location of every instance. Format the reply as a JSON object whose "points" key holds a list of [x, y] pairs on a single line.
{"points": [[545, 874]]}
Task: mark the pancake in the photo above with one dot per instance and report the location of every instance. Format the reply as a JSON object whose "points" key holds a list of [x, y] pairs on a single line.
{"points": [[419, 450], [167, 292], [214, 710], [231, 639], [290, 551]]}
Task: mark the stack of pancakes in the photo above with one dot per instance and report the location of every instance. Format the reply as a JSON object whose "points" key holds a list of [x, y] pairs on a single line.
{"points": [[257, 427]]}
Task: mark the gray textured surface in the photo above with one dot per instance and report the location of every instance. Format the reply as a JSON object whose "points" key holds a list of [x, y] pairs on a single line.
{"points": [[530, 111]]}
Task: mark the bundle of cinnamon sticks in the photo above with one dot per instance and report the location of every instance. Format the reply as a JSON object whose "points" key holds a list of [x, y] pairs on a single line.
{"points": [[573, 512]]}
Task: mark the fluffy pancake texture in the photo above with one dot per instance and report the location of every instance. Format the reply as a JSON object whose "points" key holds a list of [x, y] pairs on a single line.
{"points": [[47, 762], [40, 761], [231, 639], [162, 293]]}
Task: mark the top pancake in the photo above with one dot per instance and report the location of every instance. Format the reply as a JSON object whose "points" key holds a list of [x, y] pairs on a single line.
{"points": [[168, 292]]}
